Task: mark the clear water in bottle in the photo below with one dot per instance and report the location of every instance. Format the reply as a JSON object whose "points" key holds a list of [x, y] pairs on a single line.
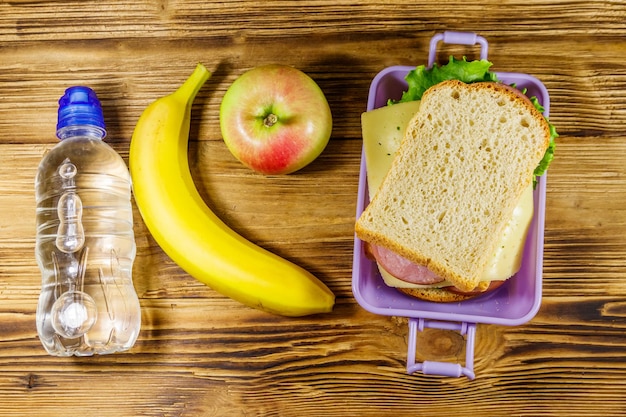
{"points": [[85, 245]]}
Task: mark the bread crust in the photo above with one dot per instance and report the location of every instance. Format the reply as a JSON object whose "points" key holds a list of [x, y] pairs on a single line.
{"points": [[378, 235], [451, 294], [437, 295]]}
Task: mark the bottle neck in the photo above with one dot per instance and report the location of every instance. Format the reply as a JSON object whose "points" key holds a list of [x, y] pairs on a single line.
{"points": [[91, 131]]}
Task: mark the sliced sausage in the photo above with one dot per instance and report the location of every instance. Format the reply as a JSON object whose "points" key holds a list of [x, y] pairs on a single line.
{"points": [[402, 268]]}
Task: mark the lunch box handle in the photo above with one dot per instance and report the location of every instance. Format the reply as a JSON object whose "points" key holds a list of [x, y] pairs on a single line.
{"points": [[441, 368], [461, 38]]}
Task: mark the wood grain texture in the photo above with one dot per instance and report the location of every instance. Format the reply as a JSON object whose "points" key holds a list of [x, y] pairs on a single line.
{"points": [[200, 354]]}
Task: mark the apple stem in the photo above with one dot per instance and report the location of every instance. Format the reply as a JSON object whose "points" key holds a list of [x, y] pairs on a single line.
{"points": [[270, 120]]}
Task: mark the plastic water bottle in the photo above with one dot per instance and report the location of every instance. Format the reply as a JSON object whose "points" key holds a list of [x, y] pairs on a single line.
{"points": [[85, 242]]}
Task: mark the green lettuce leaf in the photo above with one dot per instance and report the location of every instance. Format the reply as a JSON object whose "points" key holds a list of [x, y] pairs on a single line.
{"points": [[549, 155], [421, 79]]}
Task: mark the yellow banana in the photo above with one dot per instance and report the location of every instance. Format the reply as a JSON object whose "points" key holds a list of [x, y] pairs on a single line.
{"points": [[191, 234]]}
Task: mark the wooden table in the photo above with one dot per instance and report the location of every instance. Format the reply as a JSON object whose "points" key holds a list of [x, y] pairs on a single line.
{"points": [[201, 354]]}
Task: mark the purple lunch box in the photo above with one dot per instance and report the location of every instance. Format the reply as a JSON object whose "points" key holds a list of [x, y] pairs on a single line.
{"points": [[514, 303]]}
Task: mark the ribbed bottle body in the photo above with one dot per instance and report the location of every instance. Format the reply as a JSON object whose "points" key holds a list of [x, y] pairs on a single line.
{"points": [[85, 249]]}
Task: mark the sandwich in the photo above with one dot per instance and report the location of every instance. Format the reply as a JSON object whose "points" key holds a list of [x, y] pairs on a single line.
{"points": [[451, 181]]}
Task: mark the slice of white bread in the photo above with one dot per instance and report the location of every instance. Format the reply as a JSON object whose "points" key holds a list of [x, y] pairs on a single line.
{"points": [[438, 295], [467, 156]]}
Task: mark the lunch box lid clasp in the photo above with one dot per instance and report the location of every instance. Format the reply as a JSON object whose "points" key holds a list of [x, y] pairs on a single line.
{"points": [[441, 368], [460, 38]]}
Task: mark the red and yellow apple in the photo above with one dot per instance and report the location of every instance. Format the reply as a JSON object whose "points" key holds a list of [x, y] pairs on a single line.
{"points": [[275, 119]]}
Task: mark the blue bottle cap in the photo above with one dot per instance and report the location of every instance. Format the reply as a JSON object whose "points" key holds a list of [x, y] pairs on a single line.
{"points": [[80, 106]]}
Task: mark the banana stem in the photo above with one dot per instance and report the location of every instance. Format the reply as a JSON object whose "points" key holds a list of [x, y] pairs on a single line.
{"points": [[188, 90]]}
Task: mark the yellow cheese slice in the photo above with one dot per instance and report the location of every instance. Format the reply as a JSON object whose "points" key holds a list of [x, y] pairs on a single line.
{"points": [[383, 130]]}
